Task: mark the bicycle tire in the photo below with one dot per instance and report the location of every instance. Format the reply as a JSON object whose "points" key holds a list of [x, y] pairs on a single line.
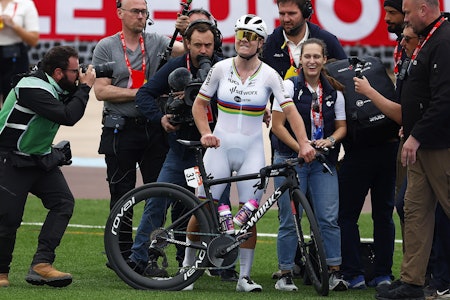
{"points": [[177, 278], [313, 250]]}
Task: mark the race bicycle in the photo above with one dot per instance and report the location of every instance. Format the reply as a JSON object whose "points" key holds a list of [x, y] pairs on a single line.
{"points": [[216, 250]]}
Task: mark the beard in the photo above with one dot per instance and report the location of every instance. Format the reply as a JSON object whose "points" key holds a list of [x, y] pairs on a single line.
{"points": [[394, 28], [295, 29], [66, 85]]}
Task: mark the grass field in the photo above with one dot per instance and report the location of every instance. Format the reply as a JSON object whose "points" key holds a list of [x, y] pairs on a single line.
{"points": [[82, 254]]}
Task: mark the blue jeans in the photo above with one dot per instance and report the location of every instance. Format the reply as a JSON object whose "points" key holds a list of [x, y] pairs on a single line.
{"points": [[374, 169], [322, 189], [155, 209]]}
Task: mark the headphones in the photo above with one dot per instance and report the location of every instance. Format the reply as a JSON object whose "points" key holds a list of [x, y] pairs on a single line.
{"points": [[203, 12], [212, 25], [307, 9]]}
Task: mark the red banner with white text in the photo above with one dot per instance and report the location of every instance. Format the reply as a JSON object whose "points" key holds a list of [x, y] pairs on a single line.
{"points": [[354, 22]]}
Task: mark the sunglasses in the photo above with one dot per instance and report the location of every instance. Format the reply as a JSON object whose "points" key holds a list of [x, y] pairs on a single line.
{"points": [[408, 38], [315, 103], [248, 35]]}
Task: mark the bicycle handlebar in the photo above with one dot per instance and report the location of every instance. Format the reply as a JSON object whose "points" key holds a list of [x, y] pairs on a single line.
{"points": [[267, 171]]}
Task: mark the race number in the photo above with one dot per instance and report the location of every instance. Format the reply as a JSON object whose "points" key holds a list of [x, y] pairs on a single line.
{"points": [[193, 177]]}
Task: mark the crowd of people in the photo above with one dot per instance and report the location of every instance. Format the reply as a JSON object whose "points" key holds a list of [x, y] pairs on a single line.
{"points": [[277, 77]]}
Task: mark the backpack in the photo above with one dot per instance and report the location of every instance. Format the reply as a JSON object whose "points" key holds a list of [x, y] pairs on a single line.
{"points": [[366, 124]]}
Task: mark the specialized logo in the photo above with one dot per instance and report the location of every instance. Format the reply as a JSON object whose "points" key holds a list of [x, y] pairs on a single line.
{"points": [[261, 211]]}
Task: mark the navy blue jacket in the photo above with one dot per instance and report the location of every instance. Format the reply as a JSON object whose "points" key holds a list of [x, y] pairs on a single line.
{"points": [[303, 105], [158, 85], [277, 56]]}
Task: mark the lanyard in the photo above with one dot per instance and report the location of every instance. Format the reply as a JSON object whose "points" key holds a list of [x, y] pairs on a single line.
{"points": [[397, 58], [317, 115], [188, 65], [420, 45], [291, 59], [127, 61]]}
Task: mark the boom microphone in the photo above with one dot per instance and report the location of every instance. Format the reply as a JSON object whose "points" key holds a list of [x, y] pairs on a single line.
{"points": [[179, 78]]}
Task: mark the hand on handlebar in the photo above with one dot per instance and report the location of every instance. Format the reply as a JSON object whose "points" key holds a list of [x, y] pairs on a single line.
{"points": [[210, 141], [307, 152]]}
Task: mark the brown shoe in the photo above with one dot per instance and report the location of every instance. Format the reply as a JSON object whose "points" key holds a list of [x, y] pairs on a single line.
{"points": [[4, 282], [44, 273]]}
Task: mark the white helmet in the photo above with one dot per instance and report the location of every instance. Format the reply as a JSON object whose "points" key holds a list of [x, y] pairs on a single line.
{"points": [[252, 23]]}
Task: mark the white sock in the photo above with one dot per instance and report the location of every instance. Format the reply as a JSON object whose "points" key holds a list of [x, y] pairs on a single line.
{"points": [[246, 261], [189, 253]]}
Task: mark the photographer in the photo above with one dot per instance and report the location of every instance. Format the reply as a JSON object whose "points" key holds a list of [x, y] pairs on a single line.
{"points": [[29, 120], [172, 80]]}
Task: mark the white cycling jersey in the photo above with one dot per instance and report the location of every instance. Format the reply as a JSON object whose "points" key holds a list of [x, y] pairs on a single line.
{"points": [[241, 109]]}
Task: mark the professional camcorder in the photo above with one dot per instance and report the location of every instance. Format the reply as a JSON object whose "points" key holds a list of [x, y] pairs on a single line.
{"points": [[181, 80]]}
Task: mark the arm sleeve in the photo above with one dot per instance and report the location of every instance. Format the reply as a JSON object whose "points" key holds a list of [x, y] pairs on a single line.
{"points": [[210, 85], [339, 107], [64, 113], [289, 88], [275, 82], [31, 18]]}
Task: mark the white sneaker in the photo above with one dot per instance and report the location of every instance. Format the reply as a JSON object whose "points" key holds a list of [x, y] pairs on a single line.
{"points": [[285, 283], [245, 284], [337, 282], [189, 287]]}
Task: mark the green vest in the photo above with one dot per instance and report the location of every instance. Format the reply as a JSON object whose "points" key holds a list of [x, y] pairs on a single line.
{"points": [[21, 129]]}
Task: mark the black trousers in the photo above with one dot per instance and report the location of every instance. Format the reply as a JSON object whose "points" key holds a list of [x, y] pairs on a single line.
{"points": [[51, 187], [144, 145]]}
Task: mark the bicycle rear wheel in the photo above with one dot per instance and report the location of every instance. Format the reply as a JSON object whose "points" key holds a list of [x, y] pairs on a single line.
{"points": [[163, 272], [312, 248]]}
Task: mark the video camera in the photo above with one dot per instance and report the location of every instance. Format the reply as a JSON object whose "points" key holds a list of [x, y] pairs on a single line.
{"points": [[181, 79]]}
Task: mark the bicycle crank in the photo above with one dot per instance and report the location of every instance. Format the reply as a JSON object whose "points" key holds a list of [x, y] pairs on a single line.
{"points": [[223, 251]]}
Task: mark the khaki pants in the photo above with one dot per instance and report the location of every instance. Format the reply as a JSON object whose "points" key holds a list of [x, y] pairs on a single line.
{"points": [[428, 182]]}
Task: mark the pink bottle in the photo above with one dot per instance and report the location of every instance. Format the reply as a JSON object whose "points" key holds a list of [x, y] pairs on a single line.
{"points": [[245, 212], [226, 219]]}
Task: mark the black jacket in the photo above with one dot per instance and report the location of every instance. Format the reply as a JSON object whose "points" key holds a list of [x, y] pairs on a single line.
{"points": [[425, 96]]}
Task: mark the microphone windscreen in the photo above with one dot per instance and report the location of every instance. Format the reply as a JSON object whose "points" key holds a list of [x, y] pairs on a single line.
{"points": [[179, 78]]}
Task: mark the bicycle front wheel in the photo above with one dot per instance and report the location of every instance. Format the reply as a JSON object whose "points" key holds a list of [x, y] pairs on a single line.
{"points": [[163, 271], [311, 247]]}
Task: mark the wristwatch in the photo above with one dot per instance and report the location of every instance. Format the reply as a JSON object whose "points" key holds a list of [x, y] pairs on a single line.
{"points": [[332, 140]]}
